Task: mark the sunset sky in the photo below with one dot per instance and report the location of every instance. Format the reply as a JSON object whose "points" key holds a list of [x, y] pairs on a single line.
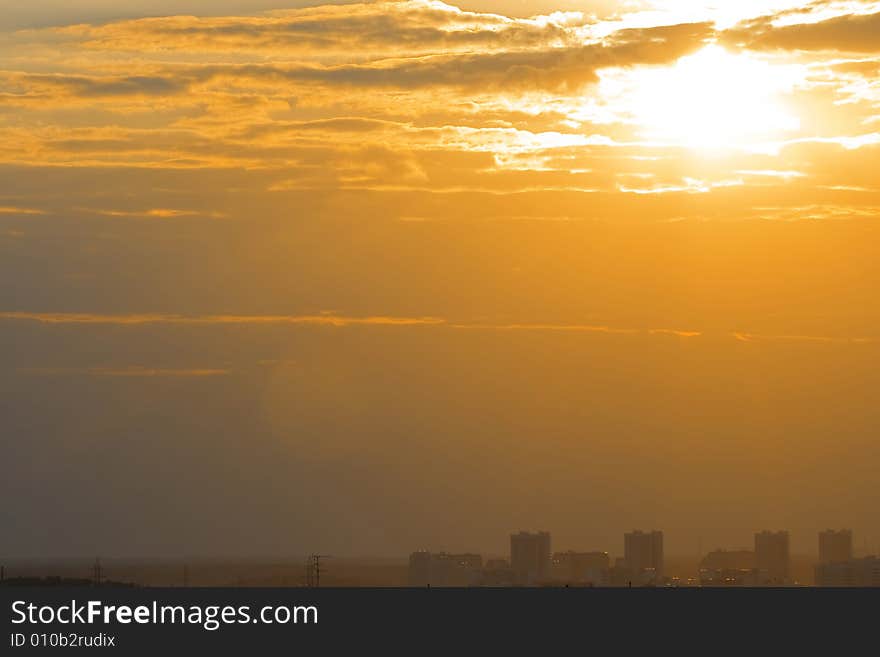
{"points": [[278, 278]]}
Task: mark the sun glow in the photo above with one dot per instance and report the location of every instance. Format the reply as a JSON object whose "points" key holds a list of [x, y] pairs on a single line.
{"points": [[709, 100]]}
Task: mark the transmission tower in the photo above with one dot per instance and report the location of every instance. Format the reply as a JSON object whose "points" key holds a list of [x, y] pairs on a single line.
{"points": [[97, 572], [314, 570]]}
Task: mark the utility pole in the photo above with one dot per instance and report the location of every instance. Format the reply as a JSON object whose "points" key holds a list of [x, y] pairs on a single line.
{"points": [[185, 575], [97, 572]]}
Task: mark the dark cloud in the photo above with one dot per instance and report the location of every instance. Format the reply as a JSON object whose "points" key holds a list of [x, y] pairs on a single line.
{"points": [[849, 33], [415, 26], [45, 13], [549, 68], [101, 86], [562, 69]]}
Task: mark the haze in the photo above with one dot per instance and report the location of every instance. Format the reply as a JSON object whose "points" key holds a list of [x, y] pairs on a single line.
{"points": [[364, 279]]}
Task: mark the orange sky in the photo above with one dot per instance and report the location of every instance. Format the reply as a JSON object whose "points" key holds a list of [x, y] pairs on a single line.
{"points": [[581, 266]]}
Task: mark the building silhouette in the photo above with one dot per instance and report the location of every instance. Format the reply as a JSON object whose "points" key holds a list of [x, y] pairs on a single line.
{"points": [[497, 573], [619, 574], [772, 557], [853, 572], [530, 557], [643, 555], [580, 567], [729, 577], [728, 568], [728, 559], [444, 569], [835, 546]]}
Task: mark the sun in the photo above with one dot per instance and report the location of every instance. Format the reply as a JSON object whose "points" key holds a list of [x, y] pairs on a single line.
{"points": [[710, 100]]}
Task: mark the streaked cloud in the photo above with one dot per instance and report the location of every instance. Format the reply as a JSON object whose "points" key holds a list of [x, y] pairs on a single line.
{"points": [[135, 320], [135, 372], [340, 321], [157, 213], [7, 209], [418, 25], [816, 339]]}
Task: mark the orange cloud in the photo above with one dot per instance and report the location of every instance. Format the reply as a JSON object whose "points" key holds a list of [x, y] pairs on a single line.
{"points": [[752, 337], [141, 319], [16, 210]]}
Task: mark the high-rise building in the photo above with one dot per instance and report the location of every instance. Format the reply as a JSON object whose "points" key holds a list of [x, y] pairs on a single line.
{"points": [[854, 572], [835, 546], [772, 557], [530, 557], [643, 553]]}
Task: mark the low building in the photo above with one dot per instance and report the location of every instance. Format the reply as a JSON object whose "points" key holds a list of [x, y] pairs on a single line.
{"points": [[622, 574], [580, 567], [444, 569], [497, 573], [855, 572], [728, 560], [729, 577]]}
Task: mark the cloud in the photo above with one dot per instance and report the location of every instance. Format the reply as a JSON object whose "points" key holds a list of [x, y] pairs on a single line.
{"points": [[154, 213], [7, 209], [553, 69], [816, 339], [91, 86], [576, 328], [676, 333], [330, 320], [421, 44], [137, 372], [142, 319], [416, 26], [384, 100], [850, 33]]}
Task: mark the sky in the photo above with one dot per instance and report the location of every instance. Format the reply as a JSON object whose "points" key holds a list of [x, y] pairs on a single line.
{"points": [[281, 278]]}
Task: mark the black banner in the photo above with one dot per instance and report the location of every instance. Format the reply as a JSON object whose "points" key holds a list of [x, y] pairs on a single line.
{"points": [[324, 621]]}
